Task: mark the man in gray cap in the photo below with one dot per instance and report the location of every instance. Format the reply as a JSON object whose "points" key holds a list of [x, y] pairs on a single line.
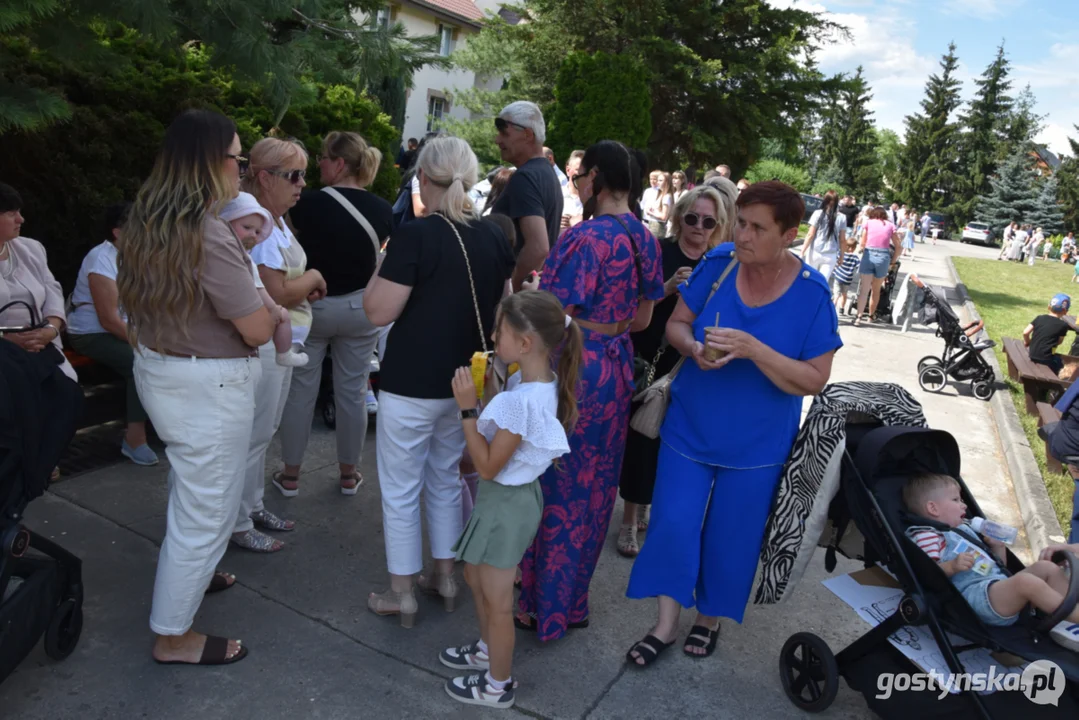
{"points": [[533, 197]]}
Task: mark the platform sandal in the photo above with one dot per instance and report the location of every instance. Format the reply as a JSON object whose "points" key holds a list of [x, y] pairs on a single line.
{"points": [[444, 585], [350, 484], [394, 603], [279, 479]]}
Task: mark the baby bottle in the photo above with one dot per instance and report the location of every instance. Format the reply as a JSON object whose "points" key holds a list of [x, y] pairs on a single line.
{"points": [[995, 530]]}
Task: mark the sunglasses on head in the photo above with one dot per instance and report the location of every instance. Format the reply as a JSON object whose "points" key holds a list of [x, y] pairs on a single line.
{"points": [[293, 176], [501, 125], [707, 222], [241, 162]]}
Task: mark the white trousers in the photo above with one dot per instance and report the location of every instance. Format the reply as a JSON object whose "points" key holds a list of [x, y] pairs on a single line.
{"points": [[270, 395], [823, 262], [419, 446], [202, 409]]}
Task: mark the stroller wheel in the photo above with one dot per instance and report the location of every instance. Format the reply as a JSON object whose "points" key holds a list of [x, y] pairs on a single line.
{"points": [[927, 361], [329, 412], [932, 379], [982, 390], [808, 671], [63, 632]]}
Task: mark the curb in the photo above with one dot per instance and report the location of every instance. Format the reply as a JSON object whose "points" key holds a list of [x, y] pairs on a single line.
{"points": [[1039, 516]]}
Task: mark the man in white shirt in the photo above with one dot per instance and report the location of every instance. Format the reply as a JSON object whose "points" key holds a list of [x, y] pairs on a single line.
{"points": [[893, 214], [549, 154], [649, 195], [572, 208]]}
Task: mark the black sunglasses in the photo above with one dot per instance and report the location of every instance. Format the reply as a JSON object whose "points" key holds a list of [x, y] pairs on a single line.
{"points": [[707, 222], [501, 124], [577, 178], [241, 162], [293, 176]]}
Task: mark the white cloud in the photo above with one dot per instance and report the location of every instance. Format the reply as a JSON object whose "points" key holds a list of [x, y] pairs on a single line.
{"points": [[1055, 137], [981, 9]]}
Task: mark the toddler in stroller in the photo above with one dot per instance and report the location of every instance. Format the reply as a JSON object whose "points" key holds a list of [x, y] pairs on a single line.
{"points": [[995, 597]]}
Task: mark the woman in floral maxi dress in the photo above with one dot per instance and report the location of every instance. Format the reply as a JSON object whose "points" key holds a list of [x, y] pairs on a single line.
{"points": [[607, 273]]}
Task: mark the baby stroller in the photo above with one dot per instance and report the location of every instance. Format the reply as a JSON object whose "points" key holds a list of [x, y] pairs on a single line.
{"points": [[40, 582], [875, 464], [962, 360], [884, 305]]}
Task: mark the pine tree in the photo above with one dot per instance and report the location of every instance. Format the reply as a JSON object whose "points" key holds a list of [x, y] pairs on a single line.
{"points": [[1013, 195], [984, 132], [849, 140], [928, 176], [1067, 176], [1048, 213]]}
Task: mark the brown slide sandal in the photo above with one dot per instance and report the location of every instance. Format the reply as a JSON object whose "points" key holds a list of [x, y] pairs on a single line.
{"points": [[220, 582]]}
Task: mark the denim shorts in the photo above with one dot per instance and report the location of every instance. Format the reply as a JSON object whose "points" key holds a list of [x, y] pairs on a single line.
{"points": [[977, 596], [875, 262]]}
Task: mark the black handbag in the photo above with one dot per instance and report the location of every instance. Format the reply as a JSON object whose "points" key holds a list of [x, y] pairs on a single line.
{"points": [[36, 323]]}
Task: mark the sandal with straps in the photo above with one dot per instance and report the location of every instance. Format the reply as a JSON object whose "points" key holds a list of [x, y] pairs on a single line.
{"points": [[648, 651], [355, 480], [268, 521], [701, 637], [627, 541], [256, 541], [644, 516], [279, 479]]}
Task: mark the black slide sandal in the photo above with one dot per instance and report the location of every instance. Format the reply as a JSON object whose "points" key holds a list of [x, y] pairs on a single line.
{"points": [[213, 653], [649, 649], [220, 582], [696, 639]]}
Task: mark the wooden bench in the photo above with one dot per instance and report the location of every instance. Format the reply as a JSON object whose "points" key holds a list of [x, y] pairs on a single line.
{"points": [[1039, 382], [105, 392], [1049, 414]]}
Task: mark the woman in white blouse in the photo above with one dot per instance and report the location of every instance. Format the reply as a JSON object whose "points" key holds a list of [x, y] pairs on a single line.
{"points": [[97, 329]]}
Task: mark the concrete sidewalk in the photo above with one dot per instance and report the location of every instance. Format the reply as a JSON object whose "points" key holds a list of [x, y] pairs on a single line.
{"points": [[316, 652]]}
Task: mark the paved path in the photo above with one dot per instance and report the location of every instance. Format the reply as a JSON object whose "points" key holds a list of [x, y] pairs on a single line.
{"points": [[316, 652]]}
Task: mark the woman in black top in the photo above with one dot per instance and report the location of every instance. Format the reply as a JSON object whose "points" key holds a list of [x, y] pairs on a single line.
{"points": [[440, 272], [703, 218], [341, 228]]}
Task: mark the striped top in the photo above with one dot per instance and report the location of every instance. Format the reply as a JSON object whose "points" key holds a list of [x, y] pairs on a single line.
{"points": [[931, 542], [844, 274]]}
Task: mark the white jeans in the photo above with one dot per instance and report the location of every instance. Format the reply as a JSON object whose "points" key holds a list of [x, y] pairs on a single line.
{"points": [[419, 446], [270, 395], [823, 262], [202, 409]]}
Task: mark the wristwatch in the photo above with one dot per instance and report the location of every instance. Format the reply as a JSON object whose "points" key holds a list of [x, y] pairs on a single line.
{"points": [[473, 413]]}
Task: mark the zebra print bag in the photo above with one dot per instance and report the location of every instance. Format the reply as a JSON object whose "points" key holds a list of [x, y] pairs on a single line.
{"points": [[810, 479]]}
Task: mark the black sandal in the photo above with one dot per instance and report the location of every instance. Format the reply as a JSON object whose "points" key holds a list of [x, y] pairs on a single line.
{"points": [[701, 637], [648, 649], [214, 652], [221, 581]]}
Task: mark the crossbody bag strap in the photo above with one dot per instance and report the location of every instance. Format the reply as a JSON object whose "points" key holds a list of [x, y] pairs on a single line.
{"points": [[471, 282], [715, 286], [357, 216]]}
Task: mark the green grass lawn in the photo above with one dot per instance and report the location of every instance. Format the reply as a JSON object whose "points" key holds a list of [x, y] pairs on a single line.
{"points": [[1008, 296]]}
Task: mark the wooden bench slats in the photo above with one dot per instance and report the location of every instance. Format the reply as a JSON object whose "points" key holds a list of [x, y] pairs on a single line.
{"points": [[1049, 414], [1038, 381]]}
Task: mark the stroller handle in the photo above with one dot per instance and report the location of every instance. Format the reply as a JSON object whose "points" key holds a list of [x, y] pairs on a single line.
{"points": [[1071, 598]]}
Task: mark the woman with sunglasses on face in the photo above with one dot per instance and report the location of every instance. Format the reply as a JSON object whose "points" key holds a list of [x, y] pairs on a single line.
{"points": [[703, 218], [606, 272], [275, 178], [196, 321]]}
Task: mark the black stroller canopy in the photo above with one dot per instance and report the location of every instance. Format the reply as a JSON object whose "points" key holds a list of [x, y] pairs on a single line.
{"points": [[897, 450]]}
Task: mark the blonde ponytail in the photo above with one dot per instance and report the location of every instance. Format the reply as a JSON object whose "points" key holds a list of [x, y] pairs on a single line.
{"points": [[450, 163]]}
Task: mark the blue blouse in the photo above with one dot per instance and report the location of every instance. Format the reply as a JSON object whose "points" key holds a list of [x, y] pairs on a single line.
{"points": [[736, 417]]}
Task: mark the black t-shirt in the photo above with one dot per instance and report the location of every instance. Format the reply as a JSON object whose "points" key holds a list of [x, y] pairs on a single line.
{"points": [[436, 332], [647, 341], [336, 245], [849, 212], [1048, 331], [533, 190]]}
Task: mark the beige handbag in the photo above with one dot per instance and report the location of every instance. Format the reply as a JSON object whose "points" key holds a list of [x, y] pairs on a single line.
{"points": [[656, 396]]}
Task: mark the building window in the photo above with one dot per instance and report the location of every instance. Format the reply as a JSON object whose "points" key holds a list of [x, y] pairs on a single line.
{"points": [[446, 35], [436, 106], [382, 18]]}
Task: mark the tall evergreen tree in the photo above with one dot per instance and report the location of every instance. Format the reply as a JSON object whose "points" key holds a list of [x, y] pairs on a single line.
{"points": [[984, 133], [1013, 194], [929, 175], [849, 140], [1048, 212], [1067, 176]]}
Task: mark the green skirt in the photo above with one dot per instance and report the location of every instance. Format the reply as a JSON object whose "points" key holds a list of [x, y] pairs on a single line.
{"points": [[503, 524]]}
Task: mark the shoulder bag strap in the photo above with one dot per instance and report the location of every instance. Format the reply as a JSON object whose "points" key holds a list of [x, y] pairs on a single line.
{"points": [[715, 286], [471, 282], [636, 253], [357, 215]]}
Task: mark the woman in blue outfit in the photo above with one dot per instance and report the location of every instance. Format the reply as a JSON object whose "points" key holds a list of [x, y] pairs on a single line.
{"points": [[731, 421]]}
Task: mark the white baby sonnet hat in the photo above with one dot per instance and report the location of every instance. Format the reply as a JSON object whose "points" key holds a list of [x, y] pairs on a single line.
{"points": [[245, 204]]}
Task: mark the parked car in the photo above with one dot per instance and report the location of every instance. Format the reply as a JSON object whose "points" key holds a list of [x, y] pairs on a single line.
{"points": [[977, 232], [813, 204], [939, 222]]}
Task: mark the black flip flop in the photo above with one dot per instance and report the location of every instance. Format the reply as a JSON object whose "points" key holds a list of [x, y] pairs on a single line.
{"points": [[649, 649], [531, 627], [213, 653], [220, 582], [696, 640]]}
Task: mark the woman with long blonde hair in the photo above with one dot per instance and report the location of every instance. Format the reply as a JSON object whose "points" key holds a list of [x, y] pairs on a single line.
{"points": [[442, 278], [195, 319], [703, 218]]}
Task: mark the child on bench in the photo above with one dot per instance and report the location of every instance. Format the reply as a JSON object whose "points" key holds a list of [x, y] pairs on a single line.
{"points": [[1046, 332], [996, 598]]}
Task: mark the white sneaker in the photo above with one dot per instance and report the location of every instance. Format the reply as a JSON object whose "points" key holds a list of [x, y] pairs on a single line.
{"points": [[292, 359], [372, 403], [374, 364], [1066, 634], [474, 690]]}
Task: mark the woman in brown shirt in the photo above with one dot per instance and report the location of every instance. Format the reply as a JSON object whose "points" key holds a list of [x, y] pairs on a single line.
{"points": [[196, 320]]}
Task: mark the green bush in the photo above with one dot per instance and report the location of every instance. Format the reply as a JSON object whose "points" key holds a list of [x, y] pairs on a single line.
{"points": [[600, 97], [67, 174], [793, 175]]}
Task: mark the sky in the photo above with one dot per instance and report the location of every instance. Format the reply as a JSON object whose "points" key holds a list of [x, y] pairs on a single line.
{"points": [[900, 42]]}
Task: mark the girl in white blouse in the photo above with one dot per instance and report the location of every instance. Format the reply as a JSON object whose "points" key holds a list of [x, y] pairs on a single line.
{"points": [[512, 442]]}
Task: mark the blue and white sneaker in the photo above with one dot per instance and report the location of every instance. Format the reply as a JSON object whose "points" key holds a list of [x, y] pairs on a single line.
{"points": [[474, 690], [371, 403], [466, 657], [1067, 635], [141, 455]]}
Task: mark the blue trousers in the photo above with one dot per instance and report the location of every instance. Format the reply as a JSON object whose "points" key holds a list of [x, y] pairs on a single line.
{"points": [[704, 537]]}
